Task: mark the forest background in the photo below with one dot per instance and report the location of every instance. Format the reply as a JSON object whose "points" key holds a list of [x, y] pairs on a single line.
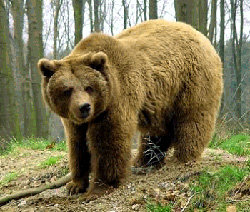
{"points": [[32, 29]]}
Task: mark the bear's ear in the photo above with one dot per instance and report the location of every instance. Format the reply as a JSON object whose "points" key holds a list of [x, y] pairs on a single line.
{"points": [[46, 67], [98, 61]]}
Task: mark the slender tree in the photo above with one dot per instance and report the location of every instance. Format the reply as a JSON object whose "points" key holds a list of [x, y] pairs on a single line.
{"points": [[193, 12], [145, 9], [35, 46], [221, 43], [97, 16], [212, 25], [78, 18], [112, 17], [153, 9], [125, 13], [8, 113], [236, 48], [22, 83], [56, 5], [91, 16]]}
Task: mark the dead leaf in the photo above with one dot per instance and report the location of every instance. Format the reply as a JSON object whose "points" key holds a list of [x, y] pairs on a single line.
{"points": [[231, 208]]}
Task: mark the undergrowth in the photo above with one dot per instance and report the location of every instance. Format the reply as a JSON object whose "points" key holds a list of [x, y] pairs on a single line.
{"points": [[236, 144], [50, 161], [210, 188], [34, 144], [8, 178]]}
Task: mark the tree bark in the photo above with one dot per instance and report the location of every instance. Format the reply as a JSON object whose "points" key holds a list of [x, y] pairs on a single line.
{"points": [[35, 46], [153, 9], [236, 48], [193, 12], [78, 18], [17, 10], [221, 44], [125, 14], [96, 15], [91, 16], [145, 10], [8, 111], [213, 20], [57, 5], [112, 18]]}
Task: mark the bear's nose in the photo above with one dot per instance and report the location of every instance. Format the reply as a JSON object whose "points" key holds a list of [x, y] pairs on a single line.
{"points": [[85, 109]]}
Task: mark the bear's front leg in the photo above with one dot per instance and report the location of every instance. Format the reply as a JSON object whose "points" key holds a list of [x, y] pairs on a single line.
{"points": [[79, 157], [110, 147]]}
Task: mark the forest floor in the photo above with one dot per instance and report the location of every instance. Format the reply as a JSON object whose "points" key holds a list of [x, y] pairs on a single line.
{"points": [[220, 181]]}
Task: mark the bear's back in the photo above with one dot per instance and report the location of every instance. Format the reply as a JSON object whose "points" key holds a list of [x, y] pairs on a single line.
{"points": [[176, 43]]}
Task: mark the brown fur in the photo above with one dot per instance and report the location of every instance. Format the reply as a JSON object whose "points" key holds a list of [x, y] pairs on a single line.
{"points": [[161, 78]]}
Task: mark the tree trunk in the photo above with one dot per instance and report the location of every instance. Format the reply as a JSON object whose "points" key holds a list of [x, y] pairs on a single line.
{"points": [[145, 10], [91, 16], [112, 18], [125, 14], [35, 46], [203, 10], [153, 9], [17, 10], [236, 48], [7, 89], [96, 15], [57, 5], [78, 17], [221, 48], [193, 12], [213, 20]]}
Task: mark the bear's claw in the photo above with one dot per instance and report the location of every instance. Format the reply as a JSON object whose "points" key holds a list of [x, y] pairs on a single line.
{"points": [[95, 191], [75, 188]]}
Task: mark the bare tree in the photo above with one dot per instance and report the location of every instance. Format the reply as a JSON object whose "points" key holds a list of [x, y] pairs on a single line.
{"points": [[212, 25], [78, 17], [112, 17], [9, 123], [91, 16], [236, 48], [193, 12], [125, 14], [145, 9], [17, 10], [221, 43], [56, 5], [97, 16], [153, 9], [35, 46]]}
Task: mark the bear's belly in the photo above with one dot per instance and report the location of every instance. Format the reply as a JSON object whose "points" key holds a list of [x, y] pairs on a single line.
{"points": [[153, 124]]}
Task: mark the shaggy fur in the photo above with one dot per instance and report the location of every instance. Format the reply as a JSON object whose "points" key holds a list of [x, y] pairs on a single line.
{"points": [[161, 78]]}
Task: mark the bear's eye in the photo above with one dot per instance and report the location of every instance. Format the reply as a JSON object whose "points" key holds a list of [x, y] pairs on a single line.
{"points": [[68, 91], [89, 90]]}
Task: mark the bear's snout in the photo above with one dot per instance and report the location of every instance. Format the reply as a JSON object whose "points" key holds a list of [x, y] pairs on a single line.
{"points": [[85, 110]]}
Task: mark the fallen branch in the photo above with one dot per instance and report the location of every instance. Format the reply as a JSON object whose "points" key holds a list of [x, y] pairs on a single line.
{"points": [[33, 191], [183, 209]]}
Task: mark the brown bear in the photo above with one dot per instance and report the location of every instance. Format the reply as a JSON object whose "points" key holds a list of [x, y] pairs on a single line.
{"points": [[163, 79]]}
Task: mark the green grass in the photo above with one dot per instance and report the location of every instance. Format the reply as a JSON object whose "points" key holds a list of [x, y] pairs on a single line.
{"points": [[32, 143], [50, 161], [158, 207], [236, 144], [210, 188], [8, 178]]}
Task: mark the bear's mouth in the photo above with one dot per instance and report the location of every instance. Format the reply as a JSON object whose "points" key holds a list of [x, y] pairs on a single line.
{"points": [[79, 120]]}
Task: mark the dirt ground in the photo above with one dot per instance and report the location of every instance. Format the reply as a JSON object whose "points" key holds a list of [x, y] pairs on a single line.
{"points": [[169, 183]]}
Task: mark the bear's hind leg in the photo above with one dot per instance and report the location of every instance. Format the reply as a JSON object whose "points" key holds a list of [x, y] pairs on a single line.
{"points": [[151, 151], [191, 135]]}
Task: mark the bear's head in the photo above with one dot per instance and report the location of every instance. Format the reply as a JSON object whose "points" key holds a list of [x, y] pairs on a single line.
{"points": [[76, 87]]}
